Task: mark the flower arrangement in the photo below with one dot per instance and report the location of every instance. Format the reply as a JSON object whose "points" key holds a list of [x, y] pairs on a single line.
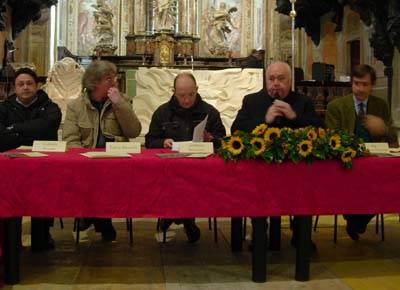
{"points": [[276, 145]]}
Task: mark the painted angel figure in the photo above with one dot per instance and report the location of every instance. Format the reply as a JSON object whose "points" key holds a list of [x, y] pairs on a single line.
{"points": [[104, 25]]}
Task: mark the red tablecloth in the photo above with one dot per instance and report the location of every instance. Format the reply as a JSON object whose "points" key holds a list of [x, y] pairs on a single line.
{"points": [[1, 248], [69, 184]]}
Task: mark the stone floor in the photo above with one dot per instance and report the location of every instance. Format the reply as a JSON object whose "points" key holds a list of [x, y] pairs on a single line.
{"points": [[146, 264]]}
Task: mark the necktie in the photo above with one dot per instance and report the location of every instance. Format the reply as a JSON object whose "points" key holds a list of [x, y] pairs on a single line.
{"points": [[360, 130], [361, 111]]}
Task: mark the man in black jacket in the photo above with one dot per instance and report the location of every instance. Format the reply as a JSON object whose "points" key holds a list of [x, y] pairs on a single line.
{"points": [[277, 106], [175, 121], [26, 116]]}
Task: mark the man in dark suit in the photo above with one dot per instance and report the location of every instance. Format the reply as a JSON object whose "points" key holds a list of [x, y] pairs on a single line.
{"points": [[278, 106], [369, 118]]}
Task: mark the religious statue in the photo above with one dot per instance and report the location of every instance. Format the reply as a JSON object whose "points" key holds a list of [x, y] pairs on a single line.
{"points": [[166, 14], [221, 26], [104, 28]]}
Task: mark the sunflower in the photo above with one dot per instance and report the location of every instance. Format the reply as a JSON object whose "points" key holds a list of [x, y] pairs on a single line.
{"points": [[224, 144], [348, 155], [335, 142], [321, 132], [260, 129], [235, 145], [285, 148], [305, 147], [289, 130], [271, 134], [312, 135], [258, 145]]}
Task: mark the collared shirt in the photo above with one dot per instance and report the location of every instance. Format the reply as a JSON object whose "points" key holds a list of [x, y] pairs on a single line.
{"points": [[357, 102], [25, 105]]}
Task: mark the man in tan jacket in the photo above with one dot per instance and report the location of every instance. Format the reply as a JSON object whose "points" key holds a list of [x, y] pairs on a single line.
{"points": [[101, 114]]}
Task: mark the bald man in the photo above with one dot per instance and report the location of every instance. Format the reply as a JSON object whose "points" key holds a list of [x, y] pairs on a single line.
{"points": [[175, 121], [277, 106]]}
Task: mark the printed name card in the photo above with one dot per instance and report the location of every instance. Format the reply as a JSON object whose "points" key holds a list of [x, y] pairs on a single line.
{"points": [[102, 154], [49, 146], [123, 147], [376, 148], [196, 147]]}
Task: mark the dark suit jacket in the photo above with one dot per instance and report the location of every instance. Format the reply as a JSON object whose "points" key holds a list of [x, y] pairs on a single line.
{"points": [[255, 107]]}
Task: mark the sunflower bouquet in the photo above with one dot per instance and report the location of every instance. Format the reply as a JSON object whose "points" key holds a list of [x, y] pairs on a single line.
{"points": [[276, 145]]}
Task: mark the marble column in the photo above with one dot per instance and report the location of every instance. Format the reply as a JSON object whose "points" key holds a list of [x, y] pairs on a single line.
{"points": [[273, 29], [140, 23]]}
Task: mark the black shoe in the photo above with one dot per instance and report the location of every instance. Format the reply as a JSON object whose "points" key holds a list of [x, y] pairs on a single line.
{"points": [[351, 231], [192, 232], [109, 235], [165, 224]]}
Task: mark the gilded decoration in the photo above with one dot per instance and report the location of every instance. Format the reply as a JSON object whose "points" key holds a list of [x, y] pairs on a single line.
{"points": [[164, 49], [203, 28]]}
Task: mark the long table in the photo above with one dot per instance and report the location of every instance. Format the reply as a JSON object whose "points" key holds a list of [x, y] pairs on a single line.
{"points": [[145, 185]]}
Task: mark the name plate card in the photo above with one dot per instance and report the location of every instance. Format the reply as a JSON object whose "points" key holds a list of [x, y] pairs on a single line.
{"points": [[196, 147], [377, 148], [102, 154], [123, 147], [49, 146]]}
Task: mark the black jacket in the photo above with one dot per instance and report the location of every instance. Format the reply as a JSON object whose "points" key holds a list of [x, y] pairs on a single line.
{"points": [[255, 107], [21, 126], [172, 121]]}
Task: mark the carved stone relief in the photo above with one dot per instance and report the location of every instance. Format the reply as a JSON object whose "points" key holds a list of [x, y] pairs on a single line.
{"points": [[224, 89], [64, 82]]}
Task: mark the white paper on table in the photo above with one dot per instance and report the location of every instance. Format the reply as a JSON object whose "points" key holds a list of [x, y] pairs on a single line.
{"points": [[103, 154], [198, 131], [377, 148], [176, 145]]}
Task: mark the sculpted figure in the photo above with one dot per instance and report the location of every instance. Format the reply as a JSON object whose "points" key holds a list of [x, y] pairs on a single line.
{"points": [[104, 25], [166, 14]]}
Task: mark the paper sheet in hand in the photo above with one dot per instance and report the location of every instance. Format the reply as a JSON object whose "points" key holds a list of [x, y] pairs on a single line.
{"points": [[101, 154], [198, 131]]}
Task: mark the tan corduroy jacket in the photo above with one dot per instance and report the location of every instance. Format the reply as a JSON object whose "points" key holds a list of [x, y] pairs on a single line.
{"points": [[81, 126]]}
